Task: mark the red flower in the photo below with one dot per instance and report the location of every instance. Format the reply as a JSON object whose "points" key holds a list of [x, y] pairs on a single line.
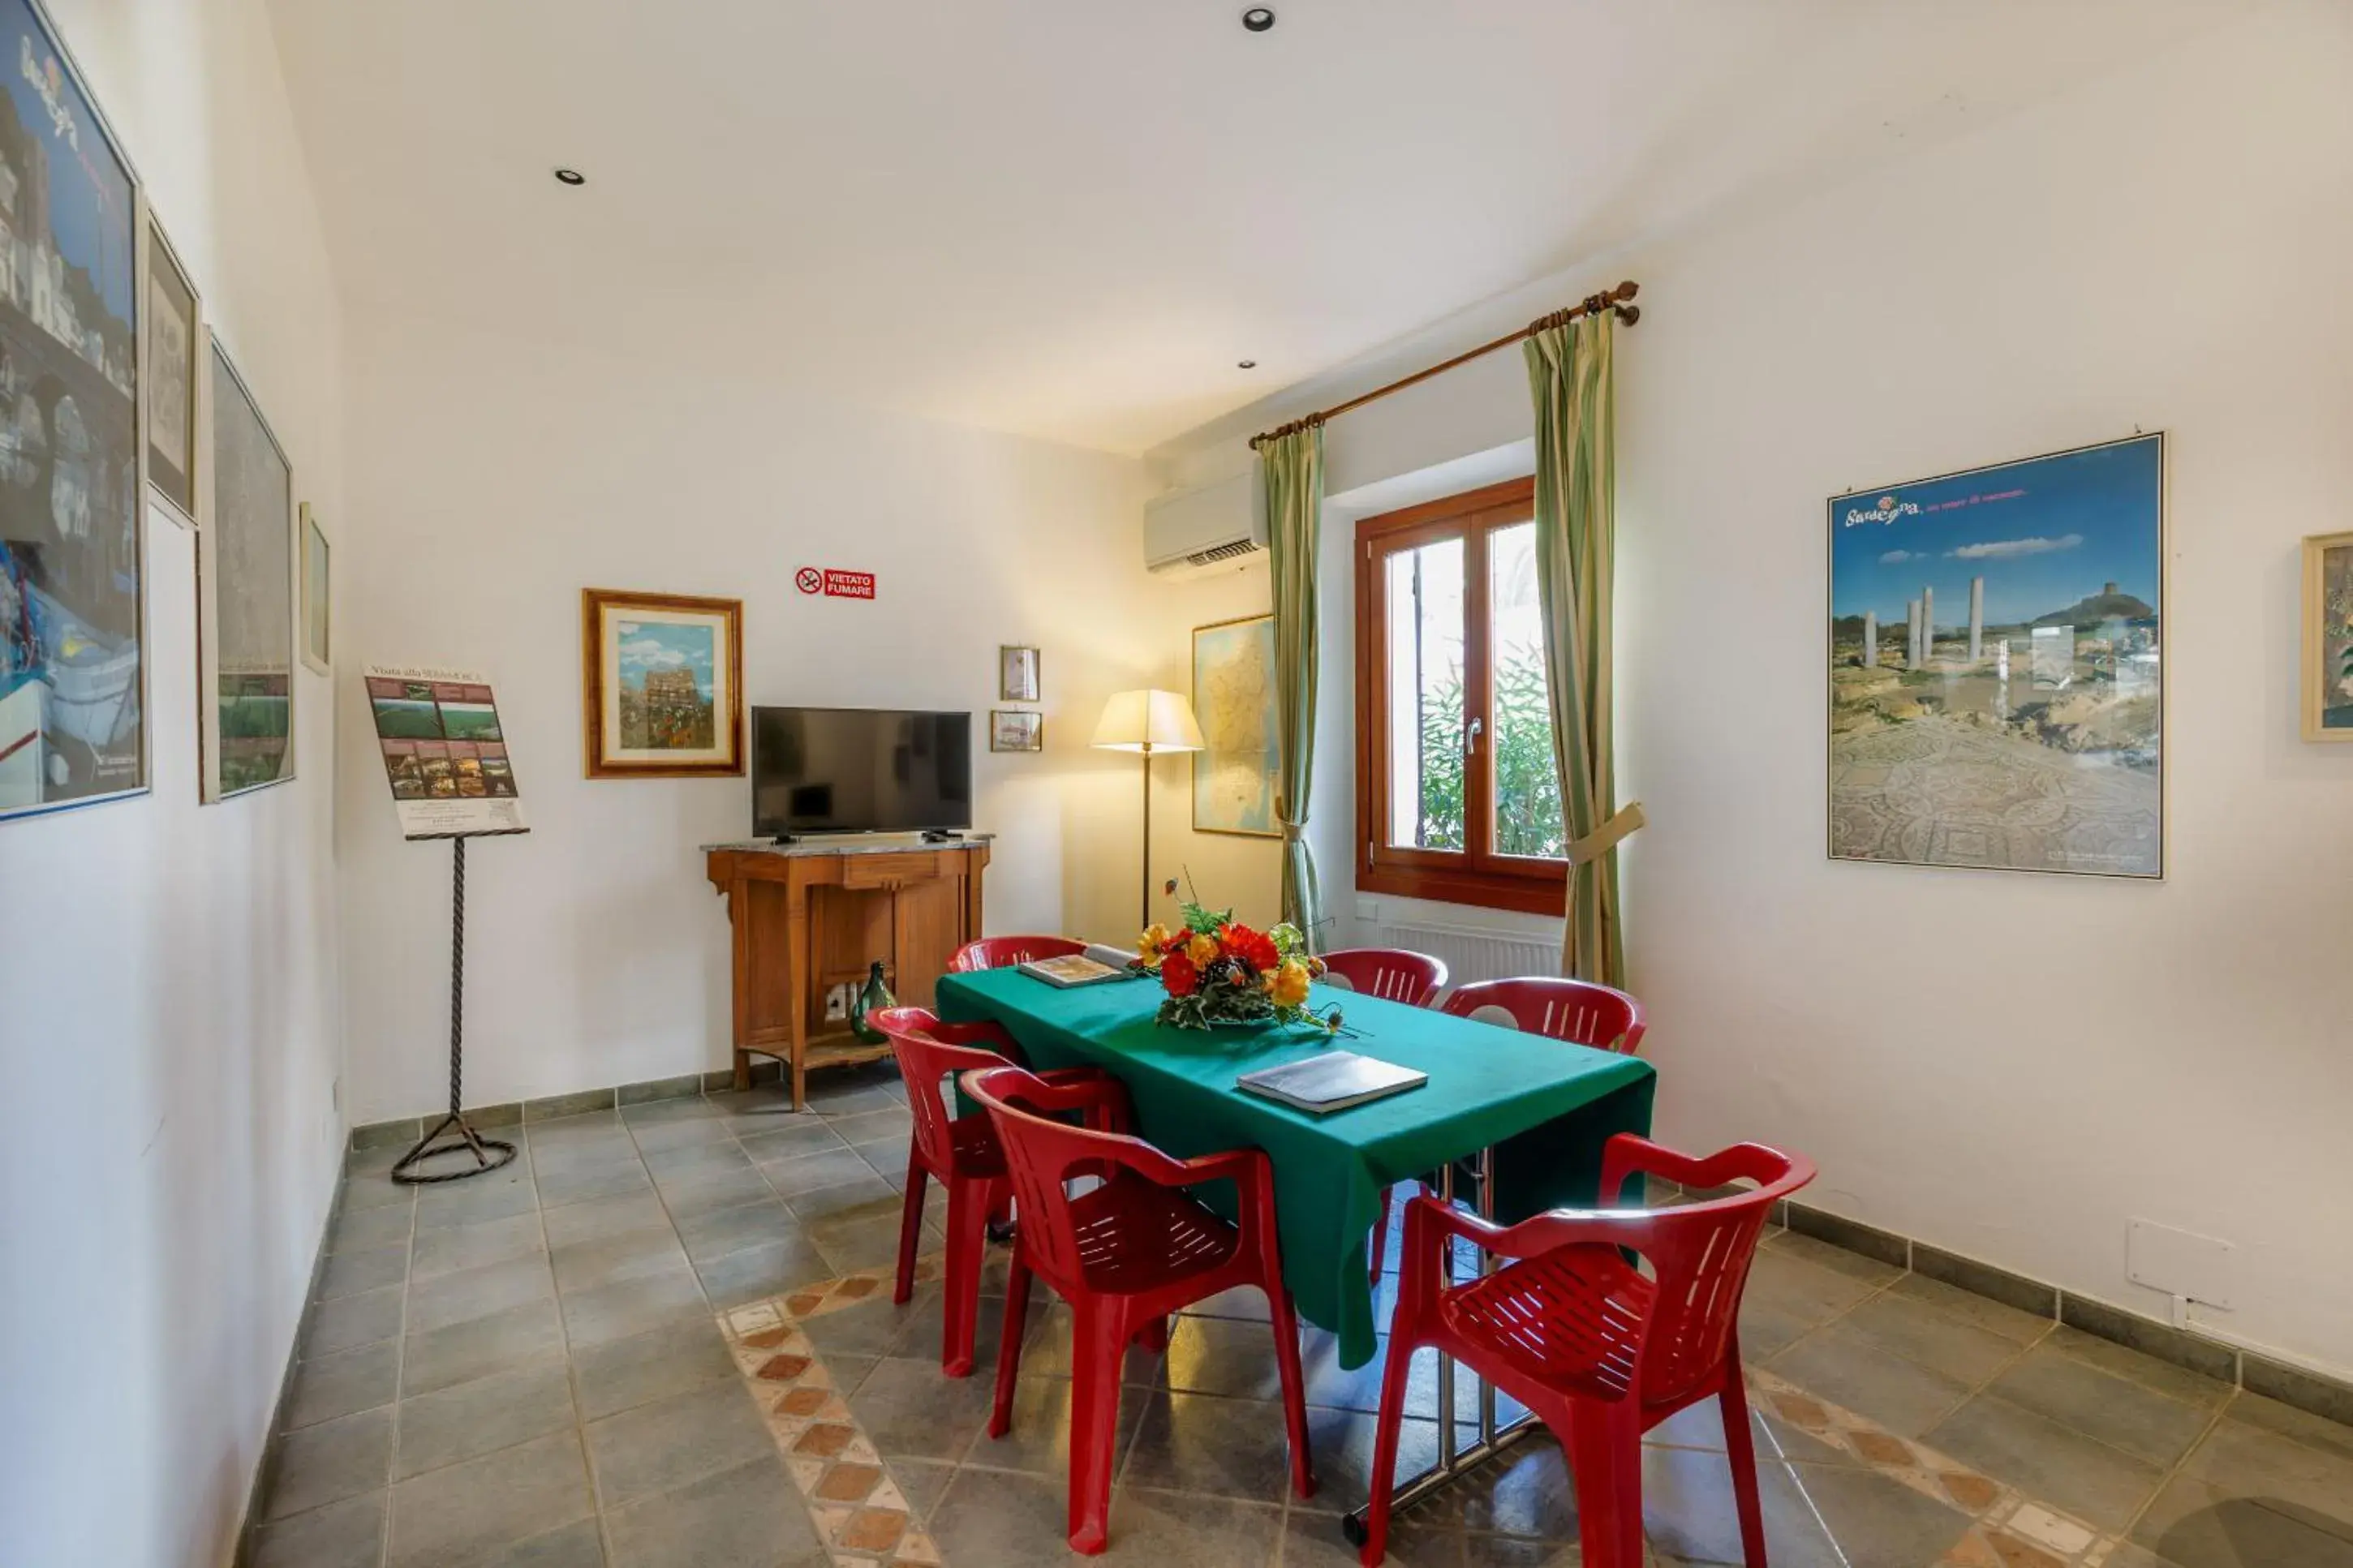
{"points": [[1252, 947], [1177, 974]]}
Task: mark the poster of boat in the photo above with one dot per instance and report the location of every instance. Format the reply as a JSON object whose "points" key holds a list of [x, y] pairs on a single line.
{"points": [[72, 723], [1996, 666], [444, 750]]}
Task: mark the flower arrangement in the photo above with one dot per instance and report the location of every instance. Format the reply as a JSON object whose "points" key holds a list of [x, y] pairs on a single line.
{"points": [[1218, 971]]}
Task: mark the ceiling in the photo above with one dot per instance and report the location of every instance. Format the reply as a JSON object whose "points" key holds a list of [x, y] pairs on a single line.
{"points": [[1070, 218]]}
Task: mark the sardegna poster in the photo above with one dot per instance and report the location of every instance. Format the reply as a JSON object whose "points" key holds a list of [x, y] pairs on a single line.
{"points": [[1996, 666], [444, 752]]}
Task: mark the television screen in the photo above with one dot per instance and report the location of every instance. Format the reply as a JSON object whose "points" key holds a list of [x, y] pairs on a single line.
{"points": [[859, 770]]}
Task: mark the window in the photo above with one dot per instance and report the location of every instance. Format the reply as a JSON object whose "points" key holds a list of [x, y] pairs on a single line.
{"points": [[1457, 797]]}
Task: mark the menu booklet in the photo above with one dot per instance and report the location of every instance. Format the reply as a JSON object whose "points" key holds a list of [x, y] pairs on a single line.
{"points": [[1332, 1082], [1072, 969]]}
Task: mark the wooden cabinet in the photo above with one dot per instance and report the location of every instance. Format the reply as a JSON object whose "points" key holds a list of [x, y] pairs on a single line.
{"points": [[806, 917]]}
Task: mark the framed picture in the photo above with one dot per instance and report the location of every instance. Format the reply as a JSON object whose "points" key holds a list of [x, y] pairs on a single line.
{"points": [[1016, 675], [1997, 676], [318, 590], [2328, 637], [73, 715], [1016, 730], [1233, 698], [662, 684], [173, 339], [245, 615]]}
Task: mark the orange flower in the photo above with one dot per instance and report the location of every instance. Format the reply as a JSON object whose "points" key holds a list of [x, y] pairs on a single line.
{"points": [[1202, 950]]}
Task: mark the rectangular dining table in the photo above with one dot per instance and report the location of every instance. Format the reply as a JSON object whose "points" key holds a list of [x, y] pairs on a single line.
{"points": [[1544, 1107]]}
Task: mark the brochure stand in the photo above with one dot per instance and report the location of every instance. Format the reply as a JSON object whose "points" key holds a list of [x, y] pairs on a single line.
{"points": [[446, 757], [489, 1153]]}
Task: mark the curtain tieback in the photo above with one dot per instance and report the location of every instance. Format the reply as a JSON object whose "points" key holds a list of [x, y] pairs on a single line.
{"points": [[1294, 832], [1607, 836]]}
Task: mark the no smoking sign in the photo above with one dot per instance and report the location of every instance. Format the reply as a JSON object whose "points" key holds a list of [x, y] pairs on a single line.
{"points": [[835, 584]]}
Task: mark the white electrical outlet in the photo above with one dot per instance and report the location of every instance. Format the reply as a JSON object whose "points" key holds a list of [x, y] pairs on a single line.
{"points": [[2181, 1264]]}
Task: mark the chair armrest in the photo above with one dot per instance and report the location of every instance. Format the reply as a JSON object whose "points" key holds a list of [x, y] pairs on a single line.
{"points": [[1246, 1168], [1067, 1089], [986, 1035], [1428, 1222], [1112, 1113], [1628, 1154]]}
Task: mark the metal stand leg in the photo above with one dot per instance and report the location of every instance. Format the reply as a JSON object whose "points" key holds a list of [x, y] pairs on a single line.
{"points": [[1452, 1466], [489, 1152]]}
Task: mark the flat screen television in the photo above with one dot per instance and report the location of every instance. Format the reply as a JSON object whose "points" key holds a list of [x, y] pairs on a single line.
{"points": [[859, 770]]}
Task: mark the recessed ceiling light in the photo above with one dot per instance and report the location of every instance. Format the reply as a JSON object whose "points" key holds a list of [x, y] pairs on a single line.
{"points": [[1246, 364], [570, 177], [1259, 18]]}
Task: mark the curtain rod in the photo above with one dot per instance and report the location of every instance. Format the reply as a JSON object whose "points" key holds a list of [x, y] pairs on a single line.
{"points": [[1612, 299]]}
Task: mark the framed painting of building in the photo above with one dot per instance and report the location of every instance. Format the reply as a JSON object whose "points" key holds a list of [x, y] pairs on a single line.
{"points": [[174, 338], [2328, 637], [245, 613], [662, 684], [1997, 676], [1233, 698], [318, 596], [73, 721]]}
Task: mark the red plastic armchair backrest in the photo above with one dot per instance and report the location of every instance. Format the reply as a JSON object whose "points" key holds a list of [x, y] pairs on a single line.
{"points": [[923, 1061], [1392, 973], [1040, 1154], [1576, 1011], [1699, 1253], [1002, 952]]}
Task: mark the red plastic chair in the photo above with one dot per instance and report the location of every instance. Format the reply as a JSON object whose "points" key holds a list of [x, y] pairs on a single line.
{"points": [[1004, 951], [1391, 972], [1594, 1349], [1576, 1011], [958, 1152], [1125, 1255]]}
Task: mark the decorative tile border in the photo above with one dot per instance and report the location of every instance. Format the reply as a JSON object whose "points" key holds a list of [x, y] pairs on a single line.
{"points": [[860, 1514], [406, 1130], [2009, 1530]]}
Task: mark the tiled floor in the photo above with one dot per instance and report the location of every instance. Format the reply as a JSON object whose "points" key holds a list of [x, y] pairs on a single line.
{"points": [[577, 1361]]}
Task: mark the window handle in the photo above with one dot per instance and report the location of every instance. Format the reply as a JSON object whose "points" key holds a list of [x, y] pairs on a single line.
{"points": [[1470, 737]]}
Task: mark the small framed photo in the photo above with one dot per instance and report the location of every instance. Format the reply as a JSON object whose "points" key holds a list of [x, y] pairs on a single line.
{"points": [[1017, 677], [318, 652], [1016, 730], [2328, 637], [174, 351]]}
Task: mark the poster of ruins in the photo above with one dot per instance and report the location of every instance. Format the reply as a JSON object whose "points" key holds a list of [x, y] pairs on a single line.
{"points": [[1996, 675]]}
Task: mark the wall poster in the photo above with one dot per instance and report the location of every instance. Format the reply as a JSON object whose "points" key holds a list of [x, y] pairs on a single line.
{"points": [[245, 600], [444, 750], [1997, 674], [72, 718]]}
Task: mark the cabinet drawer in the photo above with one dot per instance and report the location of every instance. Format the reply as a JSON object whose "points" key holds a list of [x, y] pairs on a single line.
{"points": [[886, 870]]}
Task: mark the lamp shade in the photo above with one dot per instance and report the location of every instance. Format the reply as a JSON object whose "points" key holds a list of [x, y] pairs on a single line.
{"points": [[1148, 721]]}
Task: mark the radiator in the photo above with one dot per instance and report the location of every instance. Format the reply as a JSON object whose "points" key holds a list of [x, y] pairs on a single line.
{"points": [[1474, 955]]}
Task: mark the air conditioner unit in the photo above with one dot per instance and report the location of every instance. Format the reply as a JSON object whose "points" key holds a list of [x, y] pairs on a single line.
{"points": [[1214, 528]]}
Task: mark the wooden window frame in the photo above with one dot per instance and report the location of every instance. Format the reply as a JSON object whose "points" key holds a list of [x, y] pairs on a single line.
{"points": [[1474, 875]]}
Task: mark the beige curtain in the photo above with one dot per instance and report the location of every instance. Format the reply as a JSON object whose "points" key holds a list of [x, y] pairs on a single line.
{"points": [[1290, 472], [1569, 378]]}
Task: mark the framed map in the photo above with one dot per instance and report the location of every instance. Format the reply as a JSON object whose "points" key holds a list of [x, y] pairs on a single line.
{"points": [[1997, 676], [1233, 698], [2328, 637]]}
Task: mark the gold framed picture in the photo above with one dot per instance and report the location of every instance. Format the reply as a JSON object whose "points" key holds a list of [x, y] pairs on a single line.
{"points": [[661, 685], [2328, 637], [1016, 730], [1233, 697], [1017, 678]]}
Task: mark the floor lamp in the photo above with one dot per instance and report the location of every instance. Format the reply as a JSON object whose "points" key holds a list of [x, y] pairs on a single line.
{"points": [[1148, 722]]}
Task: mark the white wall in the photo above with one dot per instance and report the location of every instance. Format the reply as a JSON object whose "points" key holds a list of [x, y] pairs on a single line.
{"points": [[2005, 1065], [168, 1034], [499, 478]]}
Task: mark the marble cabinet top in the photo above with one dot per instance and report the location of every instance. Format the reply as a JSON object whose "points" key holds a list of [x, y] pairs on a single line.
{"points": [[851, 843]]}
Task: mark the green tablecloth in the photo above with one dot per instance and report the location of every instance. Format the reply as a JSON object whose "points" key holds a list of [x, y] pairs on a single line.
{"points": [[1546, 1107]]}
